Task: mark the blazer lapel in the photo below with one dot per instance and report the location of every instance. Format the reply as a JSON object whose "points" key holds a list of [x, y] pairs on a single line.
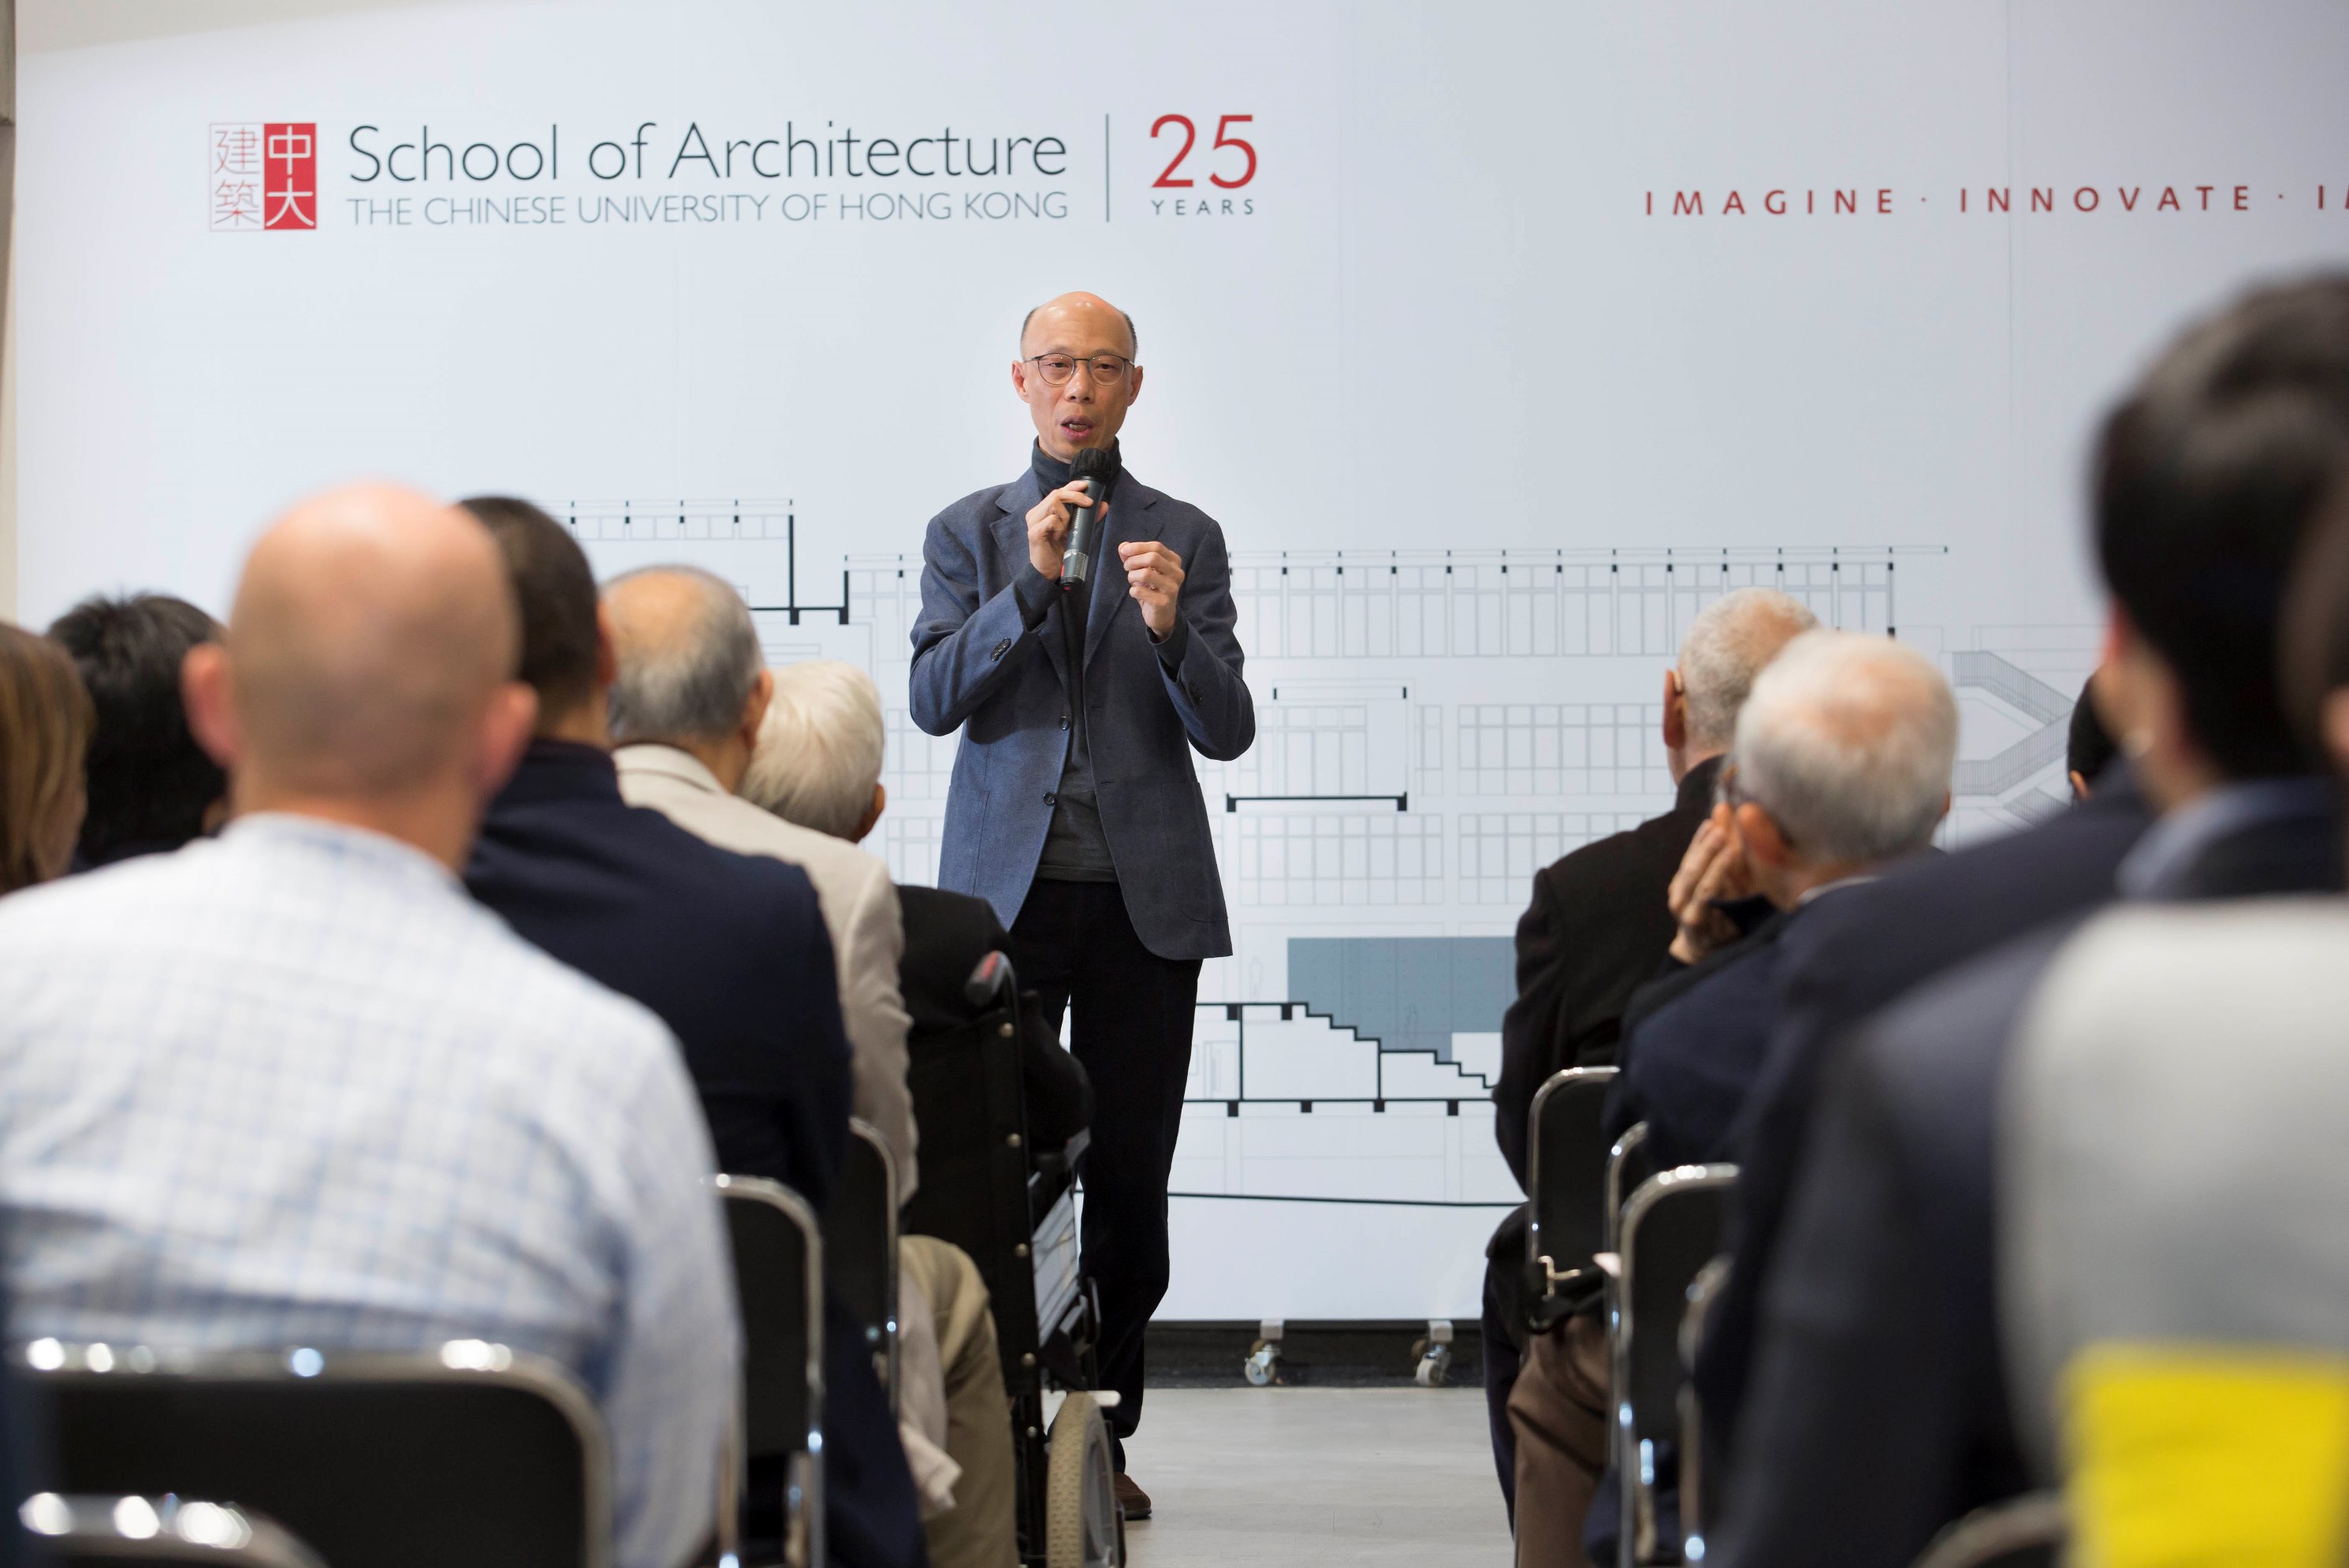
{"points": [[1127, 520], [1012, 538]]}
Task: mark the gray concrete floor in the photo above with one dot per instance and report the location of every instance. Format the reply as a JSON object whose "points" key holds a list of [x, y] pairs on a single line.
{"points": [[1361, 1477]]}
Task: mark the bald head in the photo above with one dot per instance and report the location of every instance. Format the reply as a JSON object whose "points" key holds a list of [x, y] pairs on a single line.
{"points": [[689, 660], [373, 629], [1081, 324], [1726, 647]]}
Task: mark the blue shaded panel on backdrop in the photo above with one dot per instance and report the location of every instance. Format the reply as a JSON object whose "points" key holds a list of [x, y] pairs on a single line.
{"points": [[1410, 994]]}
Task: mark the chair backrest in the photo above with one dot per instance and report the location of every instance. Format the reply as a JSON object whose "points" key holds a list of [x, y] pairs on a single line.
{"points": [[860, 1246], [2028, 1531], [779, 1277], [474, 1457], [1671, 1229], [969, 1104], [1566, 1174], [1628, 1165], [78, 1531]]}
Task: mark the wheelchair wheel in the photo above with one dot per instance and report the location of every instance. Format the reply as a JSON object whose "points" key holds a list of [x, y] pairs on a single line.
{"points": [[1082, 1526]]}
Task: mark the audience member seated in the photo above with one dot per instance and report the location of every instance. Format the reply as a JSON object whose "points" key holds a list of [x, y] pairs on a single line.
{"points": [[1841, 767], [2090, 748], [292, 1087], [729, 949], [691, 690], [1880, 1409], [151, 787], [1596, 928], [44, 724], [818, 764]]}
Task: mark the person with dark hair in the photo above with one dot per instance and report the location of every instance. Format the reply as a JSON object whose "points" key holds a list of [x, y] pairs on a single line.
{"points": [[151, 787], [730, 950], [44, 724], [1877, 1409], [2089, 749]]}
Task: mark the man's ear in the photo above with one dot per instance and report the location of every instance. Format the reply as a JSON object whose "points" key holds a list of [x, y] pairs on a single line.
{"points": [[1757, 830], [754, 708], [1019, 368], [1132, 385], [507, 723], [2334, 723], [872, 814], [208, 689], [608, 650], [1675, 711]]}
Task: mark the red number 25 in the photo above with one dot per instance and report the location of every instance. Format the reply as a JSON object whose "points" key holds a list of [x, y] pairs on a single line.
{"points": [[1190, 139]]}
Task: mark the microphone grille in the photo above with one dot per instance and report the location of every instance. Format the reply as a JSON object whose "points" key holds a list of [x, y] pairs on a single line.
{"points": [[1090, 462]]}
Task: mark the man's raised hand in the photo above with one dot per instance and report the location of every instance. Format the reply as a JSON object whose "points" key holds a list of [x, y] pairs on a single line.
{"points": [[1713, 868], [1153, 576]]}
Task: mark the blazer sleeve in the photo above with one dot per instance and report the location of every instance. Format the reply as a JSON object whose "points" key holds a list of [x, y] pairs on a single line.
{"points": [[873, 945], [1200, 662], [1530, 1030], [962, 644]]}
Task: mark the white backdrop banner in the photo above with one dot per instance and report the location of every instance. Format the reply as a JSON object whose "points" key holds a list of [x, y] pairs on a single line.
{"points": [[1498, 339]]}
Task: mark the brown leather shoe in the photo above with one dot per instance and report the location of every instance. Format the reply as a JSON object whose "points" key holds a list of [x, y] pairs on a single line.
{"points": [[1131, 1498]]}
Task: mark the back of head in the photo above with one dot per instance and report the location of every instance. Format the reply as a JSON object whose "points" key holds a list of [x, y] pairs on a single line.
{"points": [[1849, 742], [1725, 648], [150, 784], [45, 725], [2205, 481], [372, 629], [820, 747], [688, 654], [555, 589]]}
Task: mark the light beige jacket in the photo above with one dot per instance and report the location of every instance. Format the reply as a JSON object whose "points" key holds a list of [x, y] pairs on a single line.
{"points": [[860, 908]]}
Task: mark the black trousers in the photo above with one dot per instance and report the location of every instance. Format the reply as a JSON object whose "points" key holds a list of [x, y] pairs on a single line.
{"points": [[1129, 1016]]}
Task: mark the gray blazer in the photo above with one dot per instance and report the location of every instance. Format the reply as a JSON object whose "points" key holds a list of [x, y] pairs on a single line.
{"points": [[977, 666]]}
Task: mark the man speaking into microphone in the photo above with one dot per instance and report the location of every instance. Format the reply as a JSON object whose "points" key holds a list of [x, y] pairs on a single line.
{"points": [[1076, 625]]}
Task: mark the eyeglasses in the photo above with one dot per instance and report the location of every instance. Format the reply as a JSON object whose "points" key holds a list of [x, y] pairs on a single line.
{"points": [[1107, 370], [1725, 792]]}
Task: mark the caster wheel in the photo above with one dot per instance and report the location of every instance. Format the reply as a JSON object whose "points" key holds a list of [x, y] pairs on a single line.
{"points": [[1262, 1366], [1084, 1526], [1434, 1368]]}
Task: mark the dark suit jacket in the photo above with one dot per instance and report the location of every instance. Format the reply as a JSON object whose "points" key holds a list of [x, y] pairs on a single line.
{"points": [[731, 951], [1594, 934], [1688, 1064], [1857, 952], [946, 936], [1878, 1408], [978, 667]]}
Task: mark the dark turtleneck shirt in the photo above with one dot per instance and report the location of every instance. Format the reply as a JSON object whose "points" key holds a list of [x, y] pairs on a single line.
{"points": [[1075, 847]]}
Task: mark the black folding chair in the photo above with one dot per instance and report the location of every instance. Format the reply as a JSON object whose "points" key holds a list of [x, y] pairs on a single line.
{"points": [[860, 1246], [1017, 1218], [475, 1458], [2028, 1531], [1565, 1217], [779, 1277], [1671, 1229], [99, 1532]]}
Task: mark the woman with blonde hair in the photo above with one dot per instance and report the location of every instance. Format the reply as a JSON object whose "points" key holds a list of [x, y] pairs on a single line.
{"points": [[45, 726]]}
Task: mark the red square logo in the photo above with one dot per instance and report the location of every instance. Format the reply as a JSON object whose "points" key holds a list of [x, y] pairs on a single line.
{"points": [[264, 175]]}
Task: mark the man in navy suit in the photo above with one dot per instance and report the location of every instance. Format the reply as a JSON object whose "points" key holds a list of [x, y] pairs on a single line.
{"points": [[1877, 1409], [729, 949], [1075, 810]]}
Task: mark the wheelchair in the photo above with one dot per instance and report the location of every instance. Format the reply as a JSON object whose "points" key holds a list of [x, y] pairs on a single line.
{"points": [[1013, 1208]]}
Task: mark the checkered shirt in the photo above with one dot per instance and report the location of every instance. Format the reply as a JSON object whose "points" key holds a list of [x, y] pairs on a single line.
{"points": [[294, 1088]]}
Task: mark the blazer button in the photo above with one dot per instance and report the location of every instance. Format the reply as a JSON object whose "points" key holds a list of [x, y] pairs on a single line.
{"points": [[1001, 649], [1050, 798], [1064, 721]]}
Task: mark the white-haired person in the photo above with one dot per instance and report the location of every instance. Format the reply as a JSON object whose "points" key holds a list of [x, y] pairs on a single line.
{"points": [[1840, 766], [817, 764]]}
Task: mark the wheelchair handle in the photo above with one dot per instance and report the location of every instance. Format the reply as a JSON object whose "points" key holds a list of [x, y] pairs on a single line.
{"points": [[991, 983]]}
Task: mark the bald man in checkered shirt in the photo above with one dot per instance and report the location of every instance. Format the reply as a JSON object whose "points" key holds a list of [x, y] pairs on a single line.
{"points": [[294, 1088]]}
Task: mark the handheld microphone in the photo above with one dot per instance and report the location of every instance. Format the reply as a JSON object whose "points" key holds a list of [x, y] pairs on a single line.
{"points": [[1089, 465]]}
